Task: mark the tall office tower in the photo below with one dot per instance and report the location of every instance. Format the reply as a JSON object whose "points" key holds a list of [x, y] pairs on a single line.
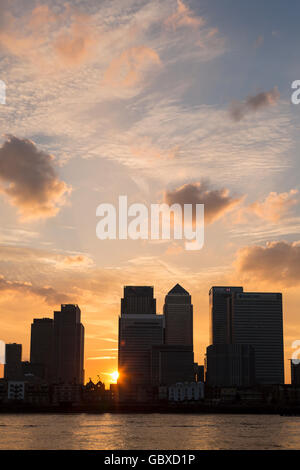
{"points": [[13, 361], [41, 345], [68, 345], [256, 319], [219, 312], [230, 365], [172, 364], [295, 372], [138, 299], [139, 329], [178, 312]]}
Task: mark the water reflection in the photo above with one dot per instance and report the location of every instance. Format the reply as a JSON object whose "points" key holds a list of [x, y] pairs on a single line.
{"points": [[151, 431]]}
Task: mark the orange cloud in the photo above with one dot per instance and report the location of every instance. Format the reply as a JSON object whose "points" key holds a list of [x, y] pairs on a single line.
{"points": [[78, 43], [131, 67], [174, 249], [41, 34], [41, 16], [24, 35], [238, 110], [277, 262], [99, 358], [29, 179], [216, 201], [144, 148], [78, 260], [17, 43], [48, 293], [183, 18], [275, 206]]}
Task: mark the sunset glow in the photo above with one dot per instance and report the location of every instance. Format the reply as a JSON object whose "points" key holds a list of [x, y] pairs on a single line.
{"points": [[157, 103], [115, 376]]}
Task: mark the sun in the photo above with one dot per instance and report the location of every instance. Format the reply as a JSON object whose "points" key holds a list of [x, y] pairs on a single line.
{"points": [[115, 376]]}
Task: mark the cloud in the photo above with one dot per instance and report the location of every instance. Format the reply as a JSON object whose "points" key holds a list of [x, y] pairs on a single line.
{"points": [[77, 260], [144, 149], [17, 235], [41, 35], [49, 294], [41, 16], [174, 249], [277, 262], [55, 277], [110, 340], [275, 206], [183, 17], [78, 43], [51, 258], [101, 358], [14, 42], [216, 201], [23, 35], [29, 179], [239, 110], [131, 66], [107, 349]]}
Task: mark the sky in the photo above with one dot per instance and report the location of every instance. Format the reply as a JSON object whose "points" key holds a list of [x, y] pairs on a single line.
{"points": [[175, 101]]}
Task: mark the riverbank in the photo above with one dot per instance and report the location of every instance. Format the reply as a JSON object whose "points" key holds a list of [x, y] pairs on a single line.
{"points": [[144, 408]]}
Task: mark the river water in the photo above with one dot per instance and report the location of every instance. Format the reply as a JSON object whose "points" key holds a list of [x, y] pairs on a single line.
{"points": [[149, 431]]}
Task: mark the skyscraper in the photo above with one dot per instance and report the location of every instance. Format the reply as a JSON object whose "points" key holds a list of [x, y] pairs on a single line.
{"points": [[256, 319], [295, 372], [245, 320], [178, 312], [13, 361], [138, 299], [174, 361], [230, 365], [41, 345], [139, 329], [172, 364], [68, 346], [219, 313]]}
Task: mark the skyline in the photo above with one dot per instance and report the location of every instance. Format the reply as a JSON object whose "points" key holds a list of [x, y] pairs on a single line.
{"points": [[183, 336], [181, 102]]}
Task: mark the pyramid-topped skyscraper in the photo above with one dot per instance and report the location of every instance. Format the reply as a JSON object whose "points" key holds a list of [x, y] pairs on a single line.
{"points": [[178, 290], [178, 311]]}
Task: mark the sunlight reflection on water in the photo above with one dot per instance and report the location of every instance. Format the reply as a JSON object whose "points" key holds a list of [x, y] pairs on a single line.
{"points": [[150, 431]]}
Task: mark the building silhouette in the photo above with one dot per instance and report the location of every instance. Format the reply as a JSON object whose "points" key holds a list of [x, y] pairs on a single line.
{"points": [[138, 299], [230, 365], [68, 346], [41, 347], [219, 313], [139, 329], [154, 350], [175, 361], [13, 361], [171, 364], [178, 312], [247, 338], [256, 320], [199, 372], [295, 372]]}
